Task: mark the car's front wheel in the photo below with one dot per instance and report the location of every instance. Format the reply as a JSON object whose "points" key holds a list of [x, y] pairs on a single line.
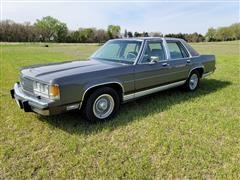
{"points": [[192, 82], [102, 104]]}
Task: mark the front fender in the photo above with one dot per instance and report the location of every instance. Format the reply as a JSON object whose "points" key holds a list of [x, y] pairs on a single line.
{"points": [[96, 83]]}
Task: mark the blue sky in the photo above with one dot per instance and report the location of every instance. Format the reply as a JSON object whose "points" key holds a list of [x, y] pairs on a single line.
{"points": [[165, 17]]}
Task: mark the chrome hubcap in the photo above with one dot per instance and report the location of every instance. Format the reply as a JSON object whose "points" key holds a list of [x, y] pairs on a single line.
{"points": [[103, 106], [193, 81]]}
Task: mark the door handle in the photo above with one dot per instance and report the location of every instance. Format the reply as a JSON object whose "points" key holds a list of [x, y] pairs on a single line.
{"points": [[165, 64], [188, 61]]}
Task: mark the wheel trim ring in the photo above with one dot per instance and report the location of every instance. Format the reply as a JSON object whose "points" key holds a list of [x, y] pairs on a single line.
{"points": [[106, 112], [193, 81]]}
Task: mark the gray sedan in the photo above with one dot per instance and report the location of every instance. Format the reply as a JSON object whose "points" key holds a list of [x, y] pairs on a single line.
{"points": [[120, 71]]}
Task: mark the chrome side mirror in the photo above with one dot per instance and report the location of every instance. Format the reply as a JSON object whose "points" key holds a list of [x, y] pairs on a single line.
{"points": [[154, 59]]}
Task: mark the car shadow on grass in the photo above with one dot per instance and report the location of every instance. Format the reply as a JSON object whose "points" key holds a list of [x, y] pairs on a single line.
{"points": [[73, 123]]}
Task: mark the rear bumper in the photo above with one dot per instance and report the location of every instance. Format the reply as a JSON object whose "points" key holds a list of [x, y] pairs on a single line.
{"points": [[38, 105], [207, 74]]}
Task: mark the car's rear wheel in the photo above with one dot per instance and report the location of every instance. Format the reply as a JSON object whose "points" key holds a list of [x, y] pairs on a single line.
{"points": [[192, 82], [102, 104]]}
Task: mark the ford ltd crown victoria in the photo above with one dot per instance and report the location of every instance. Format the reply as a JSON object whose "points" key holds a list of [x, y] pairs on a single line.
{"points": [[120, 71]]}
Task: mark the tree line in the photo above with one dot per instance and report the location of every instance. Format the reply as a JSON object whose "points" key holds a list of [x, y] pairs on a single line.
{"points": [[229, 33], [49, 29]]}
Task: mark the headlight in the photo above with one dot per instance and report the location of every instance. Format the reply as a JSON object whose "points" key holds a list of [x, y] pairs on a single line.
{"points": [[47, 91]]}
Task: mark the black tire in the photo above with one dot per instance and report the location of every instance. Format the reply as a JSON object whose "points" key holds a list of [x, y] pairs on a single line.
{"points": [[188, 86], [90, 102]]}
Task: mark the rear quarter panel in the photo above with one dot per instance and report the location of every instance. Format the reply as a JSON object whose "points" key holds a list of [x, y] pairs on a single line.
{"points": [[208, 62], [205, 61]]}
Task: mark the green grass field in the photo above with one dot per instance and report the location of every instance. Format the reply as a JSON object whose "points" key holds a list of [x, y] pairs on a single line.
{"points": [[171, 134]]}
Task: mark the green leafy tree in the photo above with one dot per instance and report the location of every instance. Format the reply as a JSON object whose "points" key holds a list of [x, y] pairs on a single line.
{"points": [[235, 31], [62, 32], [211, 34], [51, 29], [101, 36], [137, 34], [87, 35], [223, 34], [114, 31], [130, 34]]}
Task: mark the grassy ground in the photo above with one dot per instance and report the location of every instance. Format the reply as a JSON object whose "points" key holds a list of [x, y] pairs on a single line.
{"points": [[170, 134]]}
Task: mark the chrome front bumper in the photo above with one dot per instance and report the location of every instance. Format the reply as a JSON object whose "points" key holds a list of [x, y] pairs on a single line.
{"points": [[42, 106], [28, 103]]}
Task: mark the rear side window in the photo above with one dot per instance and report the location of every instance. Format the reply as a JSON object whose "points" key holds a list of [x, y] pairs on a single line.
{"points": [[177, 50], [192, 51]]}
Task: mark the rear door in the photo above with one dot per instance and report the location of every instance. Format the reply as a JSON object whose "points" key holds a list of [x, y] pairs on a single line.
{"points": [[179, 60]]}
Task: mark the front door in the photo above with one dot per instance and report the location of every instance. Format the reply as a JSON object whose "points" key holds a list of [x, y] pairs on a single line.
{"points": [[153, 68]]}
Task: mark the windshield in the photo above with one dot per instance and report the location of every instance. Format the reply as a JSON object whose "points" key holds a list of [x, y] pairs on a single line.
{"points": [[123, 51]]}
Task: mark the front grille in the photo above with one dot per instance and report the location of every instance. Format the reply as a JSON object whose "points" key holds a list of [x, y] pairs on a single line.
{"points": [[27, 84]]}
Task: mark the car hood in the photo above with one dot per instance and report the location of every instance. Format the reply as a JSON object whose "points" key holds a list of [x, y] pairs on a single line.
{"points": [[53, 71]]}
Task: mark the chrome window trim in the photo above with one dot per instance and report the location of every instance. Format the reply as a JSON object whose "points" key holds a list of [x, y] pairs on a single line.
{"points": [[143, 48], [176, 59], [140, 52], [152, 90], [166, 49], [195, 56], [186, 49], [190, 56]]}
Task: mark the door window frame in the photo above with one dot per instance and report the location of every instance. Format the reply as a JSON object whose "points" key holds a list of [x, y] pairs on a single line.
{"points": [[182, 46], [145, 46]]}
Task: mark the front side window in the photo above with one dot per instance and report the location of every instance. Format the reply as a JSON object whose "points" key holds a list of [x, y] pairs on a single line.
{"points": [[153, 52], [123, 51], [177, 50]]}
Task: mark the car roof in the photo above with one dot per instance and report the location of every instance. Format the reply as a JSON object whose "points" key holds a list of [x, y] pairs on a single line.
{"points": [[148, 38]]}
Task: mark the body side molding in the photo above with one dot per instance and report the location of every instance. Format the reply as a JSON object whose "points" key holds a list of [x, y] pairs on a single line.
{"points": [[153, 90]]}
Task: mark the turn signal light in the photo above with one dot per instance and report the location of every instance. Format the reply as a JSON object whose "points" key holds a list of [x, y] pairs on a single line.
{"points": [[54, 91]]}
